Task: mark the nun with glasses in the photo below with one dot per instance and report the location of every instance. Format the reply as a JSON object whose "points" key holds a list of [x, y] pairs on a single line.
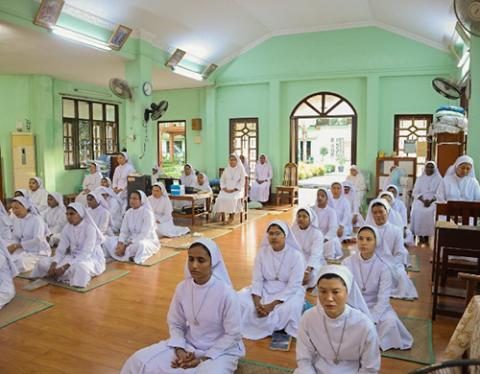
{"points": [[274, 301], [79, 255], [203, 320]]}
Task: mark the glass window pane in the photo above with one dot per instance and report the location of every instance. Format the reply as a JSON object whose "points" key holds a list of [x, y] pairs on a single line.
{"points": [[305, 110], [83, 110], [316, 102], [97, 111], [405, 124], [110, 111], [342, 110], [68, 108], [84, 142], [330, 101]]}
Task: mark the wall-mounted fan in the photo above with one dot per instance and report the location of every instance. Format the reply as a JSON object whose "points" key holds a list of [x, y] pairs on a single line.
{"points": [[121, 88], [446, 88], [468, 14], [155, 111]]}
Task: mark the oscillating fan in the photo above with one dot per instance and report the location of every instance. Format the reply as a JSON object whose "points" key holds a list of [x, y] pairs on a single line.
{"points": [[120, 88], [155, 111], [468, 14], [446, 88]]}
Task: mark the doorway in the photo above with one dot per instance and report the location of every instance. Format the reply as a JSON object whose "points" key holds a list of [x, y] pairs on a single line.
{"points": [[323, 138]]}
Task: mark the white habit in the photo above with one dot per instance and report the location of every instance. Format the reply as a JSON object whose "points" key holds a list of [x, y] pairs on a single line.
{"points": [[328, 225], [232, 178], [203, 319], [138, 233], [8, 271], [277, 275], [261, 191], [55, 219], [80, 247]]}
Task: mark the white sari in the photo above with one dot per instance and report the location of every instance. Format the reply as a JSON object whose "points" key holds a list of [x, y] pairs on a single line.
{"points": [[261, 191], [232, 178]]}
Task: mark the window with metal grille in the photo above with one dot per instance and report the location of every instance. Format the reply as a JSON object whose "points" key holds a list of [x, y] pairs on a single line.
{"points": [[411, 128], [244, 140], [90, 129]]}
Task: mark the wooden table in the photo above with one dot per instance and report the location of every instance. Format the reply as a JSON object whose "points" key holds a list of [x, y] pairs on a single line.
{"points": [[467, 333], [461, 241], [193, 198]]}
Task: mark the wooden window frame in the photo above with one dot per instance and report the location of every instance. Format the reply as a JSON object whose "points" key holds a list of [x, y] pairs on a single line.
{"points": [[159, 147], [413, 117], [322, 114], [232, 122], [75, 130]]}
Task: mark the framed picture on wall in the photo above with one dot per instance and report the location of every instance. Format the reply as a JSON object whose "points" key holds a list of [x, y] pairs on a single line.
{"points": [[48, 13], [119, 37]]}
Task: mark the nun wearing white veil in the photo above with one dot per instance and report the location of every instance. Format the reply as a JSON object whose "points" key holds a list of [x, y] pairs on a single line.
{"points": [[203, 185], [459, 182], [351, 195], [5, 223], [79, 255], [274, 301], [343, 209], [115, 207], [260, 190], [187, 179], [203, 320], [232, 184], [374, 277], [328, 225], [138, 240], [55, 217], [422, 216], [91, 181], [28, 243], [120, 176], [310, 238], [98, 210], [38, 194], [8, 271], [162, 209], [358, 180], [391, 249], [335, 336]]}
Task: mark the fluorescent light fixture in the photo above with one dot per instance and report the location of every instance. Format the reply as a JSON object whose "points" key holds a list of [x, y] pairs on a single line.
{"points": [[81, 38], [187, 73], [175, 58], [209, 70]]}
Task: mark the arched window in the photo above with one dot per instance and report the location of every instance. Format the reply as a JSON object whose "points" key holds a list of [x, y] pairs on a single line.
{"points": [[324, 131]]}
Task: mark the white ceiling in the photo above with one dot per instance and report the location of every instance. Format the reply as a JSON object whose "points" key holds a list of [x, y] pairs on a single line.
{"points": [[212, 30]]}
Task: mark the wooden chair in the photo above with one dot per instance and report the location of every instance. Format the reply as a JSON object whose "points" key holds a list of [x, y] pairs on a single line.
{"points": [[471, 280], [289, 185]]}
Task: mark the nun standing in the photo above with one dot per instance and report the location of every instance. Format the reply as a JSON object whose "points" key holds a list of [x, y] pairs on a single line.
{"points": [[274, 301], [203, 319], [138, 240], [310, 239], [375, 280], [55, 218], [8, 271], [359, 184], [28, 243], [120, 176], [459, 182], [79, 255], [422, 217], [38, 194], [334, 336], [328, 225], [343, 209], [260, 190], [162, 209], [232, 184], [90, 183]]}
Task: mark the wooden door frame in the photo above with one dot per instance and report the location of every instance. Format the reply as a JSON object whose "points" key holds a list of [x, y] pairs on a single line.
{"points": [[158, 138], [232, 121]]}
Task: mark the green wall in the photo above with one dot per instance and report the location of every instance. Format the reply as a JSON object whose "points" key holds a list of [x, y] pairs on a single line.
{"points": [[380, 73]]}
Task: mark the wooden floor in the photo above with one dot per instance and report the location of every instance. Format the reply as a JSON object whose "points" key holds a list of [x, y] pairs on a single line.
{"points": [[97, 331]]}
